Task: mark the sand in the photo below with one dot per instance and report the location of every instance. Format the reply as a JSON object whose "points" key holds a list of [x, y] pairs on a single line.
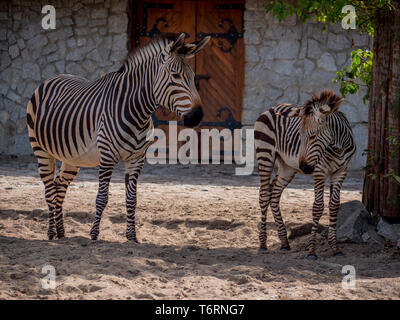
{"points": [[199, 240]]}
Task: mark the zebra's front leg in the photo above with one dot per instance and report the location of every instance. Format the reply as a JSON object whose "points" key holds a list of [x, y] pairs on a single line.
{"points": [[105, 173], [334, 204], [284, 176], [318, 209], [133, 170]]}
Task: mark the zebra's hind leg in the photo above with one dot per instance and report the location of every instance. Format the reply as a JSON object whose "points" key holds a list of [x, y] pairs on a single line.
{"points": [[266, 161], [47, 169], [105, 172], [318, 208], [334, 203], [64, 177], [133, 170], [283, 178]]}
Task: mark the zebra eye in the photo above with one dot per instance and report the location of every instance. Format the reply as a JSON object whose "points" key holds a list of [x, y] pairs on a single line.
{"points": [[175, 75]]}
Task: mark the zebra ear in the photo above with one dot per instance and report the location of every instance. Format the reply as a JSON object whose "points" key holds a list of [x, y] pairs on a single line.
{"points": [[194, 47], [332, 106], [178, 43]]}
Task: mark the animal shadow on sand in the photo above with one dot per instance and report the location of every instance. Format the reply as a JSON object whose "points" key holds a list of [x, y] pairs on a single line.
{"points": [[83, 257]]}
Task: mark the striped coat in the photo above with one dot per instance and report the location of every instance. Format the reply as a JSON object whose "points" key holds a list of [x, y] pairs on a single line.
{"points": [[314, 138]]}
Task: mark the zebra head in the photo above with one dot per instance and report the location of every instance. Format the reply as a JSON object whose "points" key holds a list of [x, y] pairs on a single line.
{"points": [[314, 132], [174, 86]]}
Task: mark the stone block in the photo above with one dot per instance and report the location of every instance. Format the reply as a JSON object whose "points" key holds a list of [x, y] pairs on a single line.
{"points": [[31, 70], [60, 65], [287, 49], [80, 20], [338, 42], [120, 43], [100, 13], [252, 37], [313, 49], [75, 69], [251, 54], [13, 51], [37, 42], [48, 72], [267, 51], [283, 67], [360, 132], [327, 62], [118, 23]]}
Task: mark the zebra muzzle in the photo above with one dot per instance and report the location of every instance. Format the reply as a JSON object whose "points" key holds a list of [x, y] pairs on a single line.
{"points": [[193, 118]]}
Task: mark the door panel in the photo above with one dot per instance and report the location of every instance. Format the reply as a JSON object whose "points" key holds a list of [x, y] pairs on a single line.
{"points": [[223, 62]]}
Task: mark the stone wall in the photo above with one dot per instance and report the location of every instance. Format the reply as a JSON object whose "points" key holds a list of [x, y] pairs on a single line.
{"points": [[286, 62], [91, 38]]}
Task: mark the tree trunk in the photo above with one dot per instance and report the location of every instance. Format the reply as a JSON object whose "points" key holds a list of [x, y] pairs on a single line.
{"points": [[381, 195]]}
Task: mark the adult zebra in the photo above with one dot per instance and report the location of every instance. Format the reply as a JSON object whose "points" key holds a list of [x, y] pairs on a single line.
{"points": [[89, 123], [314, 138]]}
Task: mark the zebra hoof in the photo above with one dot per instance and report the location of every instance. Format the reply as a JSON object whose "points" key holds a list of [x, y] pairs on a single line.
{"points": [[262, 250], [312, 257], [60, 235], [94, 236], [133, 240], [287, 248]]}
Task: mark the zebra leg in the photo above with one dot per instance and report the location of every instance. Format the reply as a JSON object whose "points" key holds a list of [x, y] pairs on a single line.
{"points": [[133, 170], [265, 166], [66, 174], [47, 168], [284, 176], [105, 173], [334, 203], [318, 209]]}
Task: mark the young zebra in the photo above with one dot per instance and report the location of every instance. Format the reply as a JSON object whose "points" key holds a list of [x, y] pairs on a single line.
{"points": [[314, 138], [89, 123]]}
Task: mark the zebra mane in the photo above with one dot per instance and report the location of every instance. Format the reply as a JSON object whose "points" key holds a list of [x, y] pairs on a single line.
{"points": [[326, 97], [150, 49]]}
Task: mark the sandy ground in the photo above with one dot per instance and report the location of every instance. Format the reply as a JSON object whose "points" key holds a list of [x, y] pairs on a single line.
{"points": [[199, 240]]}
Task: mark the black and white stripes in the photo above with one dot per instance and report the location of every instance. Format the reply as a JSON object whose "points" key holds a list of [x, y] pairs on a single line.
{"points": [[89, 123], [313, 138]]}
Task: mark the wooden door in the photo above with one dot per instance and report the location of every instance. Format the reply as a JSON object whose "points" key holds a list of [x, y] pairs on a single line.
{"points": [[221, 63], [219, 67]]}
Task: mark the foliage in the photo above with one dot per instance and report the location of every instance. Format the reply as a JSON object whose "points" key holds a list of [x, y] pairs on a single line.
{"points": [[328, 11], [360, 68]]}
